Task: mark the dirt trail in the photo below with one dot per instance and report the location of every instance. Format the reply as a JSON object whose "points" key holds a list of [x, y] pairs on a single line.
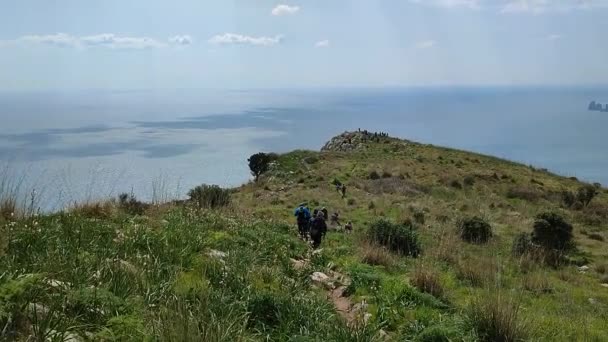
{"points": [[335, 285]]}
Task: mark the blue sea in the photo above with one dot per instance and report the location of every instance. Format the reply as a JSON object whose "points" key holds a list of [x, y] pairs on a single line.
{"points": [[83, 145]]}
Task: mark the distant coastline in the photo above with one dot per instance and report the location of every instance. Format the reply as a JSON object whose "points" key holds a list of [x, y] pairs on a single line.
{"points": [[597, 107]]}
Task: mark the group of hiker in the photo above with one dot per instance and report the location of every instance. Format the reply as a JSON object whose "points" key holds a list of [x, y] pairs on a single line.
{"points": [[315, 225]]}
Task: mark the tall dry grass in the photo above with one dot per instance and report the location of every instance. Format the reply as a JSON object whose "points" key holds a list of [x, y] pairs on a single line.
{"points": [[376, 255], [496, 318]]}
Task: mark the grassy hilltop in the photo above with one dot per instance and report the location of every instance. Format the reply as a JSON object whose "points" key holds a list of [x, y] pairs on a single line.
{"points": [[231, 268]]}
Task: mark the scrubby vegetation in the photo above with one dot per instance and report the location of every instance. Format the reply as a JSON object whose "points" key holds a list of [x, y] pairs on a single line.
{"points": [[552, 232], [475, 230], [400, 238], [209, 196], [227, 265]]}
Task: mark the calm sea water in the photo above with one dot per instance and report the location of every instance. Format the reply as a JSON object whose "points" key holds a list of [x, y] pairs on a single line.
{"points": [[76, 146]]}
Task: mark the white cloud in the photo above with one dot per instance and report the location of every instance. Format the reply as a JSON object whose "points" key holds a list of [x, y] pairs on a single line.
{"points": [[554, 37], [517, 6], [105, 40], [116, 42], [541, 6], [322, 43], [235, 38], [472, 4], [59, 39], [181, 40], [284, 10], [427, 44]]}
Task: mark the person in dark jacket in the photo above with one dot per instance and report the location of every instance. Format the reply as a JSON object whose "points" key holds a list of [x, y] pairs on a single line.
{"points": [[318, 230], [325, 213], [343, 190], [302, 215]]}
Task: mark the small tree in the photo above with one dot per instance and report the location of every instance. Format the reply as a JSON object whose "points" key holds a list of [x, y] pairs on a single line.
{"points": [[552, 232], [259, 163], [475, 230], [586, 193]]}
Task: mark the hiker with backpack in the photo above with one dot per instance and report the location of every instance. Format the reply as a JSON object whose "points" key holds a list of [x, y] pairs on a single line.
{"points": [[302, 214], [318, 229], [335, 219]]}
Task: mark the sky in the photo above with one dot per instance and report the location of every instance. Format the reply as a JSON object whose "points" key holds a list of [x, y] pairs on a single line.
{"points": [[135, 44]]}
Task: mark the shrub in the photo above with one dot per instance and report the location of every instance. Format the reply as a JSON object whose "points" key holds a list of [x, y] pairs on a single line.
{"points": [[371, 205], [522, 244], [475, 230], [259, 163], [130, 204], [427, 281], [469, 180], [400, 238], [264, 310], [419, 217], [210, 196], [8, 208], [311, 160], [585, 194], [496, 319], [551, 231], [601, 268], [568, 198], [595, 214], [96, 210], [351, 201], [374, 175], [455, 184], [386, 174]]}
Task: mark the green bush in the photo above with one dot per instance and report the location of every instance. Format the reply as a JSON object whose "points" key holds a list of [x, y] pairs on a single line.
{"points": [[386, 174], [475, 230], [522, 244], [585, 194], [455, 184], [419, 217], [264, 310], [469, 181], [568, 198], [551, 231], [130, 204], [374, 175], [210, 196], [400, 238], [438, 333]]}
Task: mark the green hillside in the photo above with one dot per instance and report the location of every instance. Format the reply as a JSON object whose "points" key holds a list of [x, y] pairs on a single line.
{"points": [[127, 271]]}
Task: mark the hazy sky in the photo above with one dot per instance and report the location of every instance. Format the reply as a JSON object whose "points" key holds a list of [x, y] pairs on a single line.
{"points": [[75, 44]]}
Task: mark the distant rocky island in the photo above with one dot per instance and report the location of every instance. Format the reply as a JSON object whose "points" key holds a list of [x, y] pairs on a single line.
{"points": [[598, 107]]}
